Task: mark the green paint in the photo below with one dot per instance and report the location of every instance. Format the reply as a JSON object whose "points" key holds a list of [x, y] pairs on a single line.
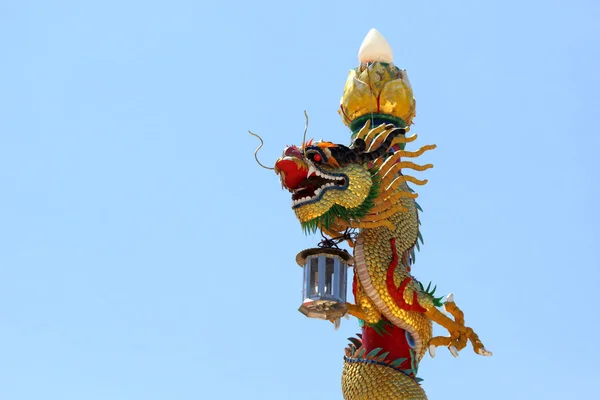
{"points": [[418, 206], [380, 327], [374, 352], [397, 362], [437, 301]]}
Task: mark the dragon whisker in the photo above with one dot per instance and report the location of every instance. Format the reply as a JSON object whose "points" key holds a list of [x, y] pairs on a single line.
{"points": [[257, 149], [305, 130]]}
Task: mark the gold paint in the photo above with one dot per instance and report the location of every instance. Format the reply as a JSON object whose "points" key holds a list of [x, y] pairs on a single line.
{"points": [[378, 88], [404, 139], [459, 333], [394, 216], [356, 311], [362, 381], [391, 200], [378, 256], [370, 312], [411, 165], [394, 187], [404, 153], [385, 214], [394, 163], [394, 160], [364, 130], [378, 139], [374, 133], [359, 185]]}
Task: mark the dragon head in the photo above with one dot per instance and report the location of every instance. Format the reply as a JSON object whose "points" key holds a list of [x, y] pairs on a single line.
{"points": [[332, 183]]}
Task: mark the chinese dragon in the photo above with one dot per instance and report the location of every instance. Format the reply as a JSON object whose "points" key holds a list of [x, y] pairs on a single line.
{"points": [[364, 188]]}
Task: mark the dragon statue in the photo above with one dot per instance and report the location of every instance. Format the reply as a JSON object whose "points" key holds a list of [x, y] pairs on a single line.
{"points": [[362, 188]]}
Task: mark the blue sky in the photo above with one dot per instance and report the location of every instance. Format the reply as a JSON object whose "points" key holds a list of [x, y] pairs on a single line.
{"points": [[144, 254]]}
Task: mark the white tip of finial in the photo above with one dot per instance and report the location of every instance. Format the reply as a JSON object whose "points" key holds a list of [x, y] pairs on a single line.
{"points": [[375, 48]]}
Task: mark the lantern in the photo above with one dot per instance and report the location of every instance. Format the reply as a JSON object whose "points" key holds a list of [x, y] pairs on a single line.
{"points": [[325, 279]]}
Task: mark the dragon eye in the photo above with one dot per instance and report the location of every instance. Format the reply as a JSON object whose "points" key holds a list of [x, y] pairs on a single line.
{"points": [[317, 157]]}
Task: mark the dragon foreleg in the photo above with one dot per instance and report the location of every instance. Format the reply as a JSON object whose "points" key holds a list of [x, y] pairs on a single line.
{"points": [[459, 332]]}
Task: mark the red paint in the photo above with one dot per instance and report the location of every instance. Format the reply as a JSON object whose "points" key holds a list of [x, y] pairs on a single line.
{"points": [[294, 173], [415, 305], [354, 284], [397, 294], [344, 112], [394, 342]]}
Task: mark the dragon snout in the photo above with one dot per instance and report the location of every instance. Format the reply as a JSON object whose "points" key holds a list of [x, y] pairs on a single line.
{"points": [[291, 170]]}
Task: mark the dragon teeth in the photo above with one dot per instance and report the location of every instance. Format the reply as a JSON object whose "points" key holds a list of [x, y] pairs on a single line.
{"points": [[319, 190]]}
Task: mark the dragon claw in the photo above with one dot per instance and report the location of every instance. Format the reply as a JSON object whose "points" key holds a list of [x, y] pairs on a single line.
{"points": [[432, 351], [336, 324], [449, 299], [453, 350], [484, 352]]}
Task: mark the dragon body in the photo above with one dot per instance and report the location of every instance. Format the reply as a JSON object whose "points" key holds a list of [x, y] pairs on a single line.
{"points": [[364, 188]]}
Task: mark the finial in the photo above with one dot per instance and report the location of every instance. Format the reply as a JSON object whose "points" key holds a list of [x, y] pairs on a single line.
{"points": [[375, 48]]}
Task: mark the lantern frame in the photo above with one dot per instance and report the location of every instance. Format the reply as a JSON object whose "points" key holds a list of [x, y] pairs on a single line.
{"points": [[324, 298]]}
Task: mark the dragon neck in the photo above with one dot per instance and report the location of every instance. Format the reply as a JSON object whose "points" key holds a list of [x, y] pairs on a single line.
{"points": [[403, 228], [391, 251]]}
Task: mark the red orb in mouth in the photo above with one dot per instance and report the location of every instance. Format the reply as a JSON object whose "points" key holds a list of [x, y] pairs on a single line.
{"points": [[293, 171]]}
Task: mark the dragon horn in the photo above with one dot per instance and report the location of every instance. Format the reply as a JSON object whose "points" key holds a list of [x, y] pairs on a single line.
{"points": [[358, 145], [354, 154], [383, 148]]}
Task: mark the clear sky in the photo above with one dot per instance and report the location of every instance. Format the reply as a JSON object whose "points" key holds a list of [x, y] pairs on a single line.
{"points": [[144, 255]]}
